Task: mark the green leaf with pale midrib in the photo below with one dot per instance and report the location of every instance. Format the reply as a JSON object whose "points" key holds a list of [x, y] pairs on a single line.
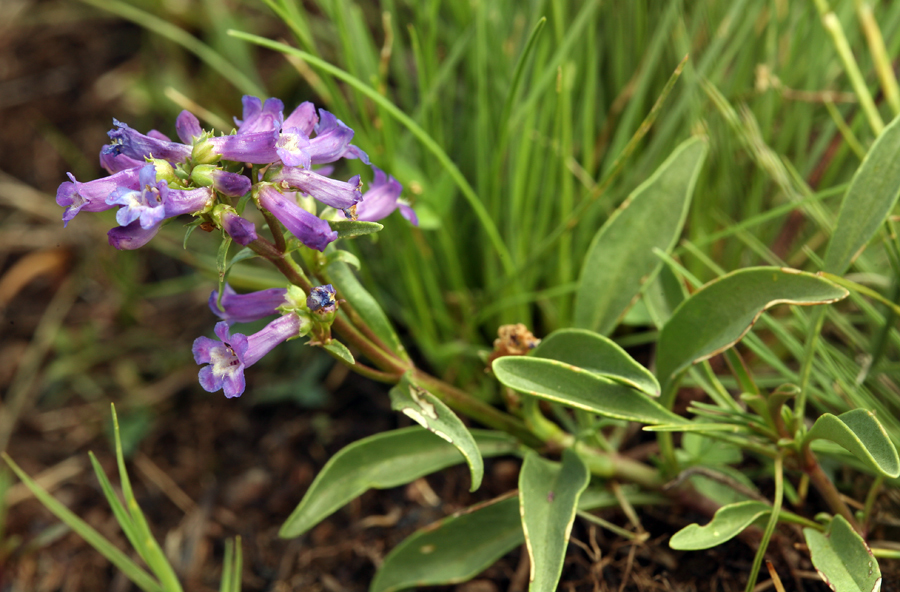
{"points": [[354, 228], [719, 314], [869, 199], [860, 433], [620, 259], [548, 499], [600, 355], [842, 558], [384, 460], [433, 414], [728, 522], [575, 387]]}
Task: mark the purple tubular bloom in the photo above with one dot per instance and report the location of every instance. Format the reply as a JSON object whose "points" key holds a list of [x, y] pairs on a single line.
{"points": [[292, 147], [255, 148], [187, 126], [331, 141], [241, 231], [228, 357], [259, 117], [246, 308], [145, 204], [311, 230], [354, 152], [230, 184], [115, 163], [322, 299], [337, 194], [188, 201], [91, 196], [382, 198], [303, 117], [139, 146], [128, 238]]}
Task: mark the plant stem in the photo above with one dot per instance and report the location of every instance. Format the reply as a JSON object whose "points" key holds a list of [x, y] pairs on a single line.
{"points": [[825, 487], [770, 527]]}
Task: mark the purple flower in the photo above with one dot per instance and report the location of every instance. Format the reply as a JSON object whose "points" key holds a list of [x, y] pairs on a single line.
{"points": [[128, 238], [246, 308], [354, 152], [311, 230], [228, 357], [241, 231], [337, 194], [255, 148], [303, 117], [91, 196], [114, 163], [188, 201], [144, 203], [382, 198], [322, 299], [259, 117], [139, 146], [187, 126], [331, 141], [230, 184], [292, 147]]}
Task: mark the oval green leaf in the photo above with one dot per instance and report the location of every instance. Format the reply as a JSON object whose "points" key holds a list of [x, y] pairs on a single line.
{"points": [[364, 304], [719, 314], [563, 383], [340, 350], [433, 414], [453, 550], [842, 558], [381, 461], [620, 259], [600, 355], [862, 435], [728, 522], [354, 228], [871, 196], [548, 499]]}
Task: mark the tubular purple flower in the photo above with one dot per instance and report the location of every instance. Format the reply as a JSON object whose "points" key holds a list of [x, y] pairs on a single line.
{"points": [[382, 198], [311, 230], [259, 117], [255, 148], [187, 126], [246, 308], [228, 357], [188, 201], [139, 146], [337, 194], [115, 163], [128, 238], [303, 117], [144, 204], [354, 152], [230, 184], [241, 231], [292, 147], [331, 141], [91, 196]]}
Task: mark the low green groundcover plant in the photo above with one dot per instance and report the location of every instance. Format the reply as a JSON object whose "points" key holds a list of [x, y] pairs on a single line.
{"points": [[272, 190]]}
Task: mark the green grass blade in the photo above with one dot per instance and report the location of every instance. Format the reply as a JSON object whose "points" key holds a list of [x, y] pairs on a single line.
{"points": [[132, 571]]}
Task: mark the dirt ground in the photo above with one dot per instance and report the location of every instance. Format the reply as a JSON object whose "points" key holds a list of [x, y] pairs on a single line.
{"points": [[78, 331]]}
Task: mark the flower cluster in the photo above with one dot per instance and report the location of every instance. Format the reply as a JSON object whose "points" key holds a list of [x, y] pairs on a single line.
{"points": [[152, 178], [283, 163]]}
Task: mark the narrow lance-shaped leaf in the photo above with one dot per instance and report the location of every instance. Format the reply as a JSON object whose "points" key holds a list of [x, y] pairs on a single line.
{"points": [[434, 415], [842, 558], [728, 522], [354, 228], [453, 550], [581, 389], [861, 434], [719, 314], [871, 196], [620, 259], [600, 355], [548, 500], [384, 460]]}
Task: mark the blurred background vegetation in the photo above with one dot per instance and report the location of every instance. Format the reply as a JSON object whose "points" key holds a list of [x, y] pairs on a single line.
{"points": [[538, 117]]}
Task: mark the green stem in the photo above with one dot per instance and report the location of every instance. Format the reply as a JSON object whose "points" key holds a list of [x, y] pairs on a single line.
{"points": [[870, 501], [275, 229], [770, 527], [808, 357], [612, 465]]}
